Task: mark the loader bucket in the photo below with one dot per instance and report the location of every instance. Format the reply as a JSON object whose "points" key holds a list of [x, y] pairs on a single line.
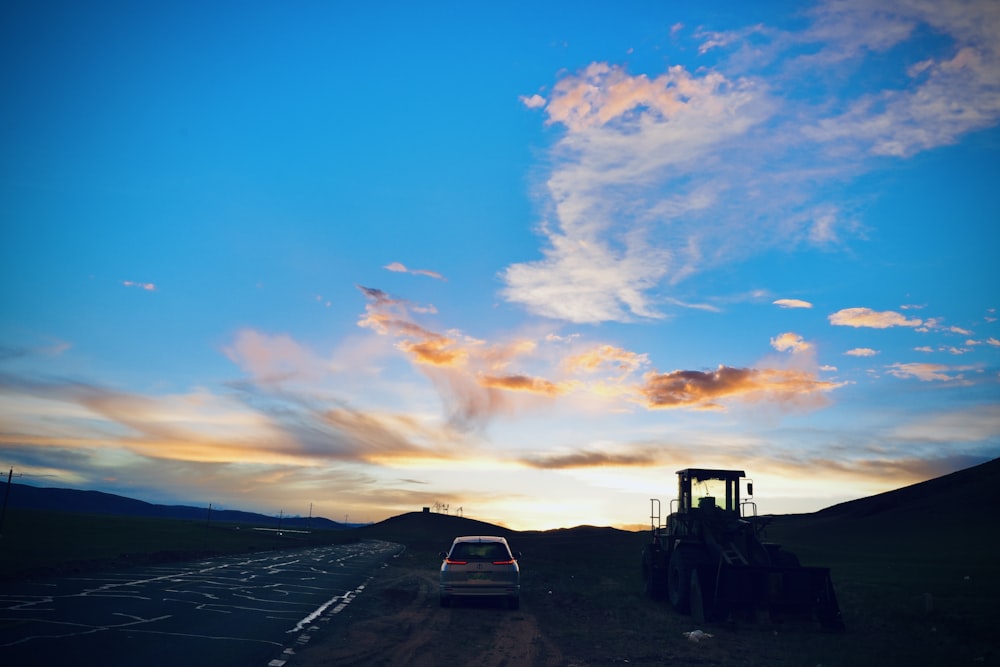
{"points": [[780, 591]]}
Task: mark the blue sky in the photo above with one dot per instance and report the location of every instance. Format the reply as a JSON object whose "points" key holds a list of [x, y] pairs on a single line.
{"points": [[523, 261]]}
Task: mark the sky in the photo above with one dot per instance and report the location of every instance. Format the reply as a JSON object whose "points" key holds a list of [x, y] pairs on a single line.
{"points": [[515, 261]]}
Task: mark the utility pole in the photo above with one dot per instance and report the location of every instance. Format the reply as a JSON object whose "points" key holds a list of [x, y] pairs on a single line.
{"points": [[208, 521]]}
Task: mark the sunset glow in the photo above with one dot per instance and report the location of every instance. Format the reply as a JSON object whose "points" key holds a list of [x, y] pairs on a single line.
{"points": [[524, 261]]}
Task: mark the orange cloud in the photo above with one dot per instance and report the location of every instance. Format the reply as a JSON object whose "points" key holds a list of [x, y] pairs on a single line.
{"points": [[861, 352], [602, 93], [266, 428], [702, 390], [522, 383], [606, 355], [866, 317], [435, 351], [464, 370]]}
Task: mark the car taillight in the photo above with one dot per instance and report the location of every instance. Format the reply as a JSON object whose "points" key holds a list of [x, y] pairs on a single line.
{"points": [[449, 561], [503, 562]]}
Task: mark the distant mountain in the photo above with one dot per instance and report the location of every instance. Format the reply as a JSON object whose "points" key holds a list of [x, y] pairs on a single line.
{"points": [[23, 496]]}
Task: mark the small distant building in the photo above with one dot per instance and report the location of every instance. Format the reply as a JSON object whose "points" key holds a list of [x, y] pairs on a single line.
{"points": [[427, 510]]}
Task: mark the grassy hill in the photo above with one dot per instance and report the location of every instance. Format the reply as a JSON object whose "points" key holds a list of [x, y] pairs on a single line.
{"points": [[23, 496]]}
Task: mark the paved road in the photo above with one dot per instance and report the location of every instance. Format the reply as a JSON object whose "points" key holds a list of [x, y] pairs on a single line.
{"points": [[246, 611]]}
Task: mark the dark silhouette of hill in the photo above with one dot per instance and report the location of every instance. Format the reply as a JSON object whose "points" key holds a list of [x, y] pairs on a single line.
{"points": [[966, 498], [23, 496], [429, 529], [975, 491], [959, 508]]}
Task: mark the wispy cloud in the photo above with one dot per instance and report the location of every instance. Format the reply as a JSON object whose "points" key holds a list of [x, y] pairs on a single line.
{"points": [[952, 91], [861, 352], [929, 372], [149, 287], [605, 357], [397, 267], [645, 191], [609, 238], [866, 317], [273, 359], [592, 458]]}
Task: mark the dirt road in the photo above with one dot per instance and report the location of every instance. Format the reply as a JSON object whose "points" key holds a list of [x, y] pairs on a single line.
{"points": [[398, 621]]}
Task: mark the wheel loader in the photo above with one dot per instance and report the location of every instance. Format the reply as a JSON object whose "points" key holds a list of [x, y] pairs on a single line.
{"points": [[711, 561]]}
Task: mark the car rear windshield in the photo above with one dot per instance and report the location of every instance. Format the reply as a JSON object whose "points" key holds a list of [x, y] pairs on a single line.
{"points": [[480, 551]]}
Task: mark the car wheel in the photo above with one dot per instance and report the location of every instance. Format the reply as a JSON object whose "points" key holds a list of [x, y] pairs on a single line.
{"points": [[445, 601], [514, 603]]}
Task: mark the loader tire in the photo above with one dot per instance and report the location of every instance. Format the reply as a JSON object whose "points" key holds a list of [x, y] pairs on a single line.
{"points": [[683, 562], [654, 576]]}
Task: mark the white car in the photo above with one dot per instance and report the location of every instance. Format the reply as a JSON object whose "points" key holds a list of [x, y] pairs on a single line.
{"points": [[480, 566]]}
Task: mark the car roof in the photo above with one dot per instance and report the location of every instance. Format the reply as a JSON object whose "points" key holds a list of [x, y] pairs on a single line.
{"points": [[479, 538]]}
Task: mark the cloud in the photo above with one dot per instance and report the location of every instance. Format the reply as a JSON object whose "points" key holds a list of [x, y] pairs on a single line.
{"points": [[790, 341], [397, 267], [533, 101], [273, 358], [866, 317], [659, 176], [792, 303], [590, 459], [149, 287], [476, 380], [978, 424], [625, 137], [861, 352], [604, 357], [928, 372], [703, 390], [466, 372], [522, 383], [950, 92], [253, 425]]}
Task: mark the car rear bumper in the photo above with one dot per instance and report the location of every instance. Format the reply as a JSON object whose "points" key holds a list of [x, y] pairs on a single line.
{"points": [[459, 590]]}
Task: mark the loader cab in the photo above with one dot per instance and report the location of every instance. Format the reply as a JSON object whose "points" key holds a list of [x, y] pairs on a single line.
{"points": [[708, 489]]}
